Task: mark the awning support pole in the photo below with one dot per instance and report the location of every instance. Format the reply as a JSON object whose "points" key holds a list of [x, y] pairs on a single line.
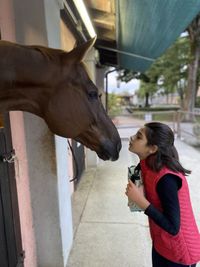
{"points": [[106, 77]]}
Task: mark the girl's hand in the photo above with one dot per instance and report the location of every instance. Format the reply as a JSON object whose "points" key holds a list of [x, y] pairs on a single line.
{"points": [[136, 195]]}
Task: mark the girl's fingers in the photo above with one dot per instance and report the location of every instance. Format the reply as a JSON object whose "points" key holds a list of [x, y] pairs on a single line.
{"points": [[131, 183]]}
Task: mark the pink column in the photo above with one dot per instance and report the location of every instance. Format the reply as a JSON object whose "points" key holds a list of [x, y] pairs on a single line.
{"points": [[17, 129]]}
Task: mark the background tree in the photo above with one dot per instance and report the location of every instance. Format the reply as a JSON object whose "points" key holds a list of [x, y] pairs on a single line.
{"points": [[193, 66], [174, 68], [176, 71], [167, 74], [149, 86]]}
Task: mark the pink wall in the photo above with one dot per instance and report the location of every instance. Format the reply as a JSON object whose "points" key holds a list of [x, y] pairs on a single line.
{"points": [[23, 188], [18, 139]]}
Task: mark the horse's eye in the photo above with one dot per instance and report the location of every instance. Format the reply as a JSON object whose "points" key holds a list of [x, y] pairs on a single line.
{"points": [[93, 95]]}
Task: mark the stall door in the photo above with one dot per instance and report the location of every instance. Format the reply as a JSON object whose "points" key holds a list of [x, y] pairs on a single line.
{"points": [[11, 254]]}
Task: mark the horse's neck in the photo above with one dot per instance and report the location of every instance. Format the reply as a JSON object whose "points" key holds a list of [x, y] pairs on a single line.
{"points": [[27, 64], [20, 100], [25, 78]]}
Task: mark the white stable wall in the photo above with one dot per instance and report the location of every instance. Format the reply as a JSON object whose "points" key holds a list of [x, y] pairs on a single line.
{"points": [[53, 24]]}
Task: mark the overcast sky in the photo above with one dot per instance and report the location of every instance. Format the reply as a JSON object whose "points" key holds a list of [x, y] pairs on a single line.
{"points": [[124, 87]]}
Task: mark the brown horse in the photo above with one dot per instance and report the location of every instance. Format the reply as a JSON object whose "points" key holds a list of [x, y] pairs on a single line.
{"points": [[54, 85]]}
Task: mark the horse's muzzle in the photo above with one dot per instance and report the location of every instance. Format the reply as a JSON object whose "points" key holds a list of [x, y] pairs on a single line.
{"points": [[110, 150]]}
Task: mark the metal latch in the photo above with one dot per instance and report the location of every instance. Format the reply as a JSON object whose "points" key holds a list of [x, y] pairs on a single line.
{"points": [[9, 157]]}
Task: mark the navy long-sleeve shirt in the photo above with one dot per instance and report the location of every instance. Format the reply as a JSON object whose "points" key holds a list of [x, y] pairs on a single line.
{"points": [[167, 189]]}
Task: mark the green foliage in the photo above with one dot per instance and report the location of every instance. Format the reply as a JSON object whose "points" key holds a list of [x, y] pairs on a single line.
{"points": [[145, 88], [114, 107], [197, 102], [127, 75], [169, 72]]}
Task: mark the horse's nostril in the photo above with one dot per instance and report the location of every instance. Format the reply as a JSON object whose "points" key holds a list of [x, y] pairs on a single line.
{"points": [[110, 150]]}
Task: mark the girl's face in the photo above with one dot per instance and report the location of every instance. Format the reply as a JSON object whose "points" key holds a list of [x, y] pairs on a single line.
{"points": [[138, 145]]}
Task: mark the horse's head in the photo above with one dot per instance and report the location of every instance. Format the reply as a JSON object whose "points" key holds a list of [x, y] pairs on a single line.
{"points": [[75, 109]]}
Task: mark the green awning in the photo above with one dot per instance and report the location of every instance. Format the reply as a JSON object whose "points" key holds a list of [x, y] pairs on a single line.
{"points": [[146, 28]]}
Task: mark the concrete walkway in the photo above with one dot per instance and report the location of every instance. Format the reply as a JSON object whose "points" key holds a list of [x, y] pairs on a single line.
{"points": [[106, 233]]}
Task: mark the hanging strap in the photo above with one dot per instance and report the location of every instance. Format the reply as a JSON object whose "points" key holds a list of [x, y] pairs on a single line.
{"points": [[75, 162]]}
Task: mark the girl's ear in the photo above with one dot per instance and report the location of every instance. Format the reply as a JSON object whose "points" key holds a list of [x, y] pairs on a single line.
{"points": [[153, 149]]}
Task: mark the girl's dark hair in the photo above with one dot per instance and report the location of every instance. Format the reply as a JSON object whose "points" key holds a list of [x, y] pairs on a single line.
{"points": [[161, 135]]}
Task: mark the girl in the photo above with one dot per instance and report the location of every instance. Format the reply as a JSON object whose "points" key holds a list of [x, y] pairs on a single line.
{"points": [[174, 233]]}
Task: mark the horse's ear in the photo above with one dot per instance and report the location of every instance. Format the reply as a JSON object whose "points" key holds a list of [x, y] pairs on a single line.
{"points": [[78, 53]]}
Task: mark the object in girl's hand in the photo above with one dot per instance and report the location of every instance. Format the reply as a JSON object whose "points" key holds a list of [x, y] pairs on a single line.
{"points": [[134, 174]]}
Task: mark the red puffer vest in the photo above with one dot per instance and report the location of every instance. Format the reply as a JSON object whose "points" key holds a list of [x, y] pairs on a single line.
{"points": [[184, 247]]}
